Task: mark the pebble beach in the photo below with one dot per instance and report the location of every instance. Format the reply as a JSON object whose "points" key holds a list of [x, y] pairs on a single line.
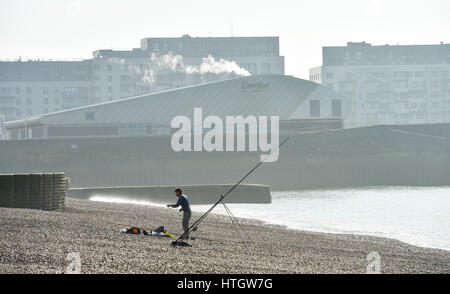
{"points": [[39, 242]]}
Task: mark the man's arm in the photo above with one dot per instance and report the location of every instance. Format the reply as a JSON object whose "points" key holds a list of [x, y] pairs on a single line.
{"points": [[175, 205]]}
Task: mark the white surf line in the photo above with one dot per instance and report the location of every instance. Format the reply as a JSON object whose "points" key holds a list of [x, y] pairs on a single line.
{"points": [[108, 199]]}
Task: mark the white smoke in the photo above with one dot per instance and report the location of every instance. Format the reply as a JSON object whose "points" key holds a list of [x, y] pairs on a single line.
{"points": [[168, 62], [210, 66], [174, 63]]}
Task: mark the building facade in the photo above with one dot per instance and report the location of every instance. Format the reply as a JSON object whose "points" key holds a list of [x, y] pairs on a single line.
{"points": [[389, 84], [29, 88], [300, 105]]}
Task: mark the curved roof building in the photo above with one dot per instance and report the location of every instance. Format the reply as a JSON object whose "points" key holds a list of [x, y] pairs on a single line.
{"points": [[263, 95]]}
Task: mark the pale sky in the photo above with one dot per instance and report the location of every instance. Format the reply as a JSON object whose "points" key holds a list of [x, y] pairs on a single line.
{"points": [[65, 29]]}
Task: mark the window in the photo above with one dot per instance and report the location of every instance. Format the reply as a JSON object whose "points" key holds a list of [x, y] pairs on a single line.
{"points": [[90, 115], [110, 79], [123, 80], [132, 129], [109, 67], [17, 91], [253, 68], [336, 108], [6, 91], [265, 68], [28, 101], [434, 74], [314, 108], [45, 101], [329, 75], [28, 90]]}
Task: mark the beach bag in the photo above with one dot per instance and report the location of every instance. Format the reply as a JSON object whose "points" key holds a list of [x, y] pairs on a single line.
{"points": [[159, 229], [136, 231]]}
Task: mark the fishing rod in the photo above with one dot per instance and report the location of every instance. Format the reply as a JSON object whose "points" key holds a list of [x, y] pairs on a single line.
{"points": [[194, 226]]}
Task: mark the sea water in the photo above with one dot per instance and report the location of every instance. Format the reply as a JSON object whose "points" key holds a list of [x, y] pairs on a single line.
{"points": [[415, 215]]}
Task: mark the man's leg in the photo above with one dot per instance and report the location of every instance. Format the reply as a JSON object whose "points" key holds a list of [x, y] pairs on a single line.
{"points": [[186, 217]]}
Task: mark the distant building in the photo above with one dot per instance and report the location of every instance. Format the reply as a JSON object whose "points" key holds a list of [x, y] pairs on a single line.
{"points": [[302, 106], [35, 87], [29, 88], [389, 84]]}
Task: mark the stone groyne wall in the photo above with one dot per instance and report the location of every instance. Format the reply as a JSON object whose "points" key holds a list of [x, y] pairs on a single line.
{"points": [[46, 191]]}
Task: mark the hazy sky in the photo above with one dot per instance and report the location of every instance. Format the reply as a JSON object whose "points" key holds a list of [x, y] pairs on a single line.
{"points": [[74, 28]]}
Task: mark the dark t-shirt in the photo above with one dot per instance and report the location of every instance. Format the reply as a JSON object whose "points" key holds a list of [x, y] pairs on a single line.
{"points": [[183, 202]]}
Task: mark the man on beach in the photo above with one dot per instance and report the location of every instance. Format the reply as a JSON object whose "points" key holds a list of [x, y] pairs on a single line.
{"points": [[184, 203]]}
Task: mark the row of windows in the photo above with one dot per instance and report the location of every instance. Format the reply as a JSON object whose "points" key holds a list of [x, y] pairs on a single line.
{"points": [[16, 91], [132, 129], [155, 47], [18, 112], [98, 67], [109, 78], [315, 77], [406, 105], [66, 91], [45, 90], [266, 68], [29, 101], [314, 108], [386, 74], [46, 101], [406, 116]]}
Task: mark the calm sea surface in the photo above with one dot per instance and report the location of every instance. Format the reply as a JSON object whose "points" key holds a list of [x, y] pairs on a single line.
{"points": [[415, 215]]}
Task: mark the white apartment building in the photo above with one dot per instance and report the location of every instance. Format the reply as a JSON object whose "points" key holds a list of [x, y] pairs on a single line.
{"points": [[29, 88], [389, 84]]}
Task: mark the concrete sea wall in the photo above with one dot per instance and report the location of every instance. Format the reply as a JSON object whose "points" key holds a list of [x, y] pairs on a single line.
{"points": [[412, 155]]}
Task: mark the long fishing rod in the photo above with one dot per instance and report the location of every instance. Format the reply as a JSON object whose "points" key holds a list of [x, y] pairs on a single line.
{"points": [[194, 226]]}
